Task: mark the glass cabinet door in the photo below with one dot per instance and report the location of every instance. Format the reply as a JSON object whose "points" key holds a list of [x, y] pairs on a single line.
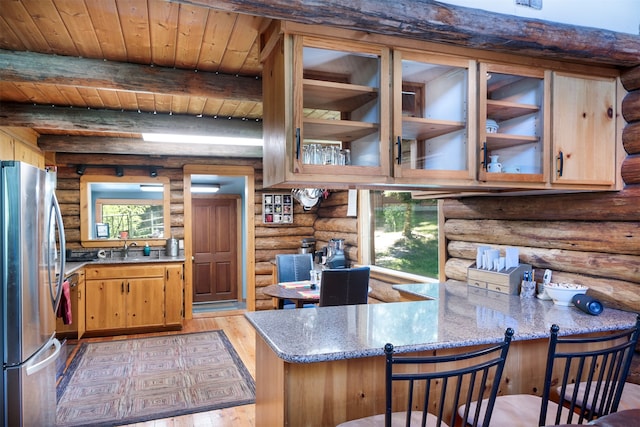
{"points": [[511, 128], [341, 108], [434, 125]]}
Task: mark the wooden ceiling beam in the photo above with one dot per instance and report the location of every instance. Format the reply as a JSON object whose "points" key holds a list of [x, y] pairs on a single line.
{"points": [[109, 121], [29, 67], [438, 22], [110, 145]]}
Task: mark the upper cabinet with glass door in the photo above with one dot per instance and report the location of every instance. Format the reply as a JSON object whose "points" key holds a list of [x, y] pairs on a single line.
{"points": [[331, 125], [434, 118], [512, 125]]}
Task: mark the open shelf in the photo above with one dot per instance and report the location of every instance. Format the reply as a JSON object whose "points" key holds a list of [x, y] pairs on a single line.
{"points": [[325, 95], [497, 141], [420, 128], [337, 130], [505, 110]]}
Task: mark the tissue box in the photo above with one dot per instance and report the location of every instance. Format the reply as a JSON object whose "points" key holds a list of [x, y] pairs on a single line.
{"points": [[505, 281]]}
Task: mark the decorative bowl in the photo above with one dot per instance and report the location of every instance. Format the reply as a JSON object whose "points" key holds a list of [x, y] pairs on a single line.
{"points": [[562, 293], [492, 126]]}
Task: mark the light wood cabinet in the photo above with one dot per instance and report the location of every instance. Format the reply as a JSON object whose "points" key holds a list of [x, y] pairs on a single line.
{"points": [[418, 119], [584, 130], [434, 118], [140, 296], [78, 296], [326, 112]]}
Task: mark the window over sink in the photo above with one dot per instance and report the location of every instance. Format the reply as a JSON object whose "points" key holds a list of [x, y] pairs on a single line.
{"points": [[114, 209]]}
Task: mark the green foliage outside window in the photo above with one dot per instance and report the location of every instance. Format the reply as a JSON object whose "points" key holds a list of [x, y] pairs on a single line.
{"points": [[405, 233]]}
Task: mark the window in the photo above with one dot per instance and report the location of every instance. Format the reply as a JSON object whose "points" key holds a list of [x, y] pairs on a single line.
{"points": [[405, 233], [116, 208]]}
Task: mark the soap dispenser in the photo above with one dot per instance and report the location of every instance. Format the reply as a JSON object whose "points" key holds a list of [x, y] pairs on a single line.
{"points": [[147, 250]]}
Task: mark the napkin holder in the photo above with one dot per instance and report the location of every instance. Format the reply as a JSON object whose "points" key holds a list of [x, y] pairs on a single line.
{"points": [[506, 281]]}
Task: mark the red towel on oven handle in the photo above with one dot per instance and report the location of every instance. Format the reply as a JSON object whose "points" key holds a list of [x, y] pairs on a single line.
{"points": [[64, 308]]}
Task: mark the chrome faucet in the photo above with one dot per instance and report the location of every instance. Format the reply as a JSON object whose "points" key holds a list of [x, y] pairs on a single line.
{"points": [[125, 248]]}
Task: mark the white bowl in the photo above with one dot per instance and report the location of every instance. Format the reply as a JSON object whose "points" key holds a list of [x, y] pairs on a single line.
{"points": [[562, 293]]}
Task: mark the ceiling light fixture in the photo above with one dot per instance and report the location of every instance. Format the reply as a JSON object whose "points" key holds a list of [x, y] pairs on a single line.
{"points": [[80, 169], [153, 172], [200, 139], [151, 187], [119, 171], [205, 188]]}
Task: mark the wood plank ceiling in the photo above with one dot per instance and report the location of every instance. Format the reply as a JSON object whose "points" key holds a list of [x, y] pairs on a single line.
{"points": [[112, 69], [128, 64]]}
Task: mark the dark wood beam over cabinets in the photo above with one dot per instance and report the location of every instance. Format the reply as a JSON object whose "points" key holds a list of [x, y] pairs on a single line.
{"points": [[59, 119], [110, 145], [437, 22], [29, 67]]}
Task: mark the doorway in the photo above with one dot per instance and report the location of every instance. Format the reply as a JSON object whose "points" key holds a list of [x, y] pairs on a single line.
{"points": [[236, 190], [215, 248]]}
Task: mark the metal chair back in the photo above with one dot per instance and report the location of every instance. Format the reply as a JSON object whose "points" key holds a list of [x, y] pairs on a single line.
{"points": [[436, 386], [599, 365], [344, 286], [294, 267]]}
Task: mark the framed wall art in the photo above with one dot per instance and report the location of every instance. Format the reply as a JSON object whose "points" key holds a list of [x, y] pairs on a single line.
{"points": [[277, 208]]}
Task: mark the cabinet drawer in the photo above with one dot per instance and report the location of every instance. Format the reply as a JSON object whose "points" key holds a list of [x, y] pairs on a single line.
{"points": [[117, 272]]}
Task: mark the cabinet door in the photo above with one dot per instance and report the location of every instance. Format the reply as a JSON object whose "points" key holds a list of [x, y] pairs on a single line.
{"points": [[584, 138], [105, 304], [434, 117], [512, 127], [330, 102], [80, 319], [145, 302], [173, 295]]}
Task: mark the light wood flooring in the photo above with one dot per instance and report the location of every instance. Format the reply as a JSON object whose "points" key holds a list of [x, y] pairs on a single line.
{"points": [[242, 336]]}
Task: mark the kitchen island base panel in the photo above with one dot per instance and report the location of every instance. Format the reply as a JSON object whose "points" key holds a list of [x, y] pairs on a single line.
{"points": [[328, 393]]}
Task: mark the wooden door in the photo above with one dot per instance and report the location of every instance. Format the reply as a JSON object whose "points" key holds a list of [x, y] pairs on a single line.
{"points": [[215, 248]]}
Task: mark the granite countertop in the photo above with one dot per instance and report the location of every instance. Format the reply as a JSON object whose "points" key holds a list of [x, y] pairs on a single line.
{"points": [[71, 267], [458, 316]]}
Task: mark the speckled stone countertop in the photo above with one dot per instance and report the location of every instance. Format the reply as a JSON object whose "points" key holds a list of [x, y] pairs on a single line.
{"points": [[72, 267], [458, 316]]}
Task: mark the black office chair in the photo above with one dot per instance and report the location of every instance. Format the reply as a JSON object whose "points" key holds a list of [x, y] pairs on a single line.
{"points": [[601, 364], [344, 286], [294, 268], [440, 385]]}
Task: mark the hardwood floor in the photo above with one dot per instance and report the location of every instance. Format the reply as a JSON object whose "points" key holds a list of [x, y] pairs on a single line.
{"points": [[242, 336]]}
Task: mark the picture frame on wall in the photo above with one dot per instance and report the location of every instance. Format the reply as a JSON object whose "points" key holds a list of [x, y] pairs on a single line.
{"points": [[102, 231], [277, 208]]}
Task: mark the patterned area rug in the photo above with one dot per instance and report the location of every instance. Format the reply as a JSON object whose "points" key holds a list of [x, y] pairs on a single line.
{"points": [[121, 382]]}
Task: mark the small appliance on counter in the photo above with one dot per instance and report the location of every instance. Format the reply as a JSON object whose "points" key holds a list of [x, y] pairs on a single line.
{"points": [[308, 245], [172, 247], [335, 254]]}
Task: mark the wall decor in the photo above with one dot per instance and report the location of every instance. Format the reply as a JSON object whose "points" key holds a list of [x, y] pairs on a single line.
{"points": [[277, 208]]}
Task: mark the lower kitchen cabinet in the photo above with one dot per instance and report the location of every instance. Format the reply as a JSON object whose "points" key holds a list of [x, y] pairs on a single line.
{"points": [[76, 328], [134, 296]]}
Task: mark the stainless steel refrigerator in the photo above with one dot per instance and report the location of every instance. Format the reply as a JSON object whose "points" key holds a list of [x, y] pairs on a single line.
{"points": [[32, 252]]}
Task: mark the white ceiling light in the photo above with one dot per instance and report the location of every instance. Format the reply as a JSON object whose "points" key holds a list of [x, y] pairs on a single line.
{"points": [[151, 187], [205, 188], [200, 139]]}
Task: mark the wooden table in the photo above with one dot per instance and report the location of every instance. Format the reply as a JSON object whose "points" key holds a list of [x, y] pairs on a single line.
{"points": [[281, 293]]}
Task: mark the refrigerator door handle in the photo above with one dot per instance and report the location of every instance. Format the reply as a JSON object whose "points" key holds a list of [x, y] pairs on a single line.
{"points": [[55, 299], [32, 367]]}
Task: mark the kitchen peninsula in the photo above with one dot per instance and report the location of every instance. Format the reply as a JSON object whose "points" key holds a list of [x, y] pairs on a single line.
{"points": [[322, 366]]}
